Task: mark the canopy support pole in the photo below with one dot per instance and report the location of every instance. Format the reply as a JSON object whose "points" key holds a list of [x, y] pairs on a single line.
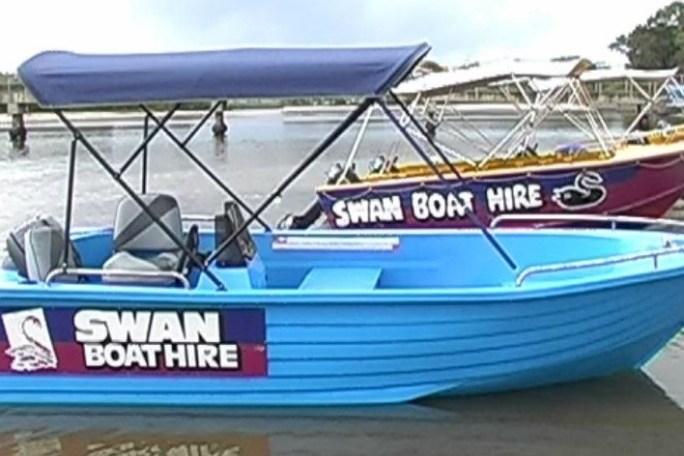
{"points": [[131, 158], [122, 183], [69, 203], [651, 100], [357, 143], [183, 146], [146, 129], [313, 156], [198, 126], [473, 218]]}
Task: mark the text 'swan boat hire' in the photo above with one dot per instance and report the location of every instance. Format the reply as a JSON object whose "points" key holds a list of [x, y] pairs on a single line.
{"points": [[636, 174], [152, 311]]}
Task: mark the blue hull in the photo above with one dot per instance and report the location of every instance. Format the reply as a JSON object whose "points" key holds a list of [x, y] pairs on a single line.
{"points": [[372, 346]]}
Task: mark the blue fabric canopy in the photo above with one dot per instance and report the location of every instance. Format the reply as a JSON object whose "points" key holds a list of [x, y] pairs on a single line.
{"points": [[62, 79]]}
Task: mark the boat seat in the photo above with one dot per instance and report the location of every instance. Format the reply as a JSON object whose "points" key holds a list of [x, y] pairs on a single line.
{"points": [[140, 245], [341, 279], [37, 247]]}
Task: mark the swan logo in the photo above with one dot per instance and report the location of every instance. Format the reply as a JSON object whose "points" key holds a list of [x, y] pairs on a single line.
{"points": [[30, 344], [587, 191]]}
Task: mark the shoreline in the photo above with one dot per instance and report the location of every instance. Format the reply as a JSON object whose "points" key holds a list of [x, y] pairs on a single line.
{"points": [[88, 120], [112, 119]]}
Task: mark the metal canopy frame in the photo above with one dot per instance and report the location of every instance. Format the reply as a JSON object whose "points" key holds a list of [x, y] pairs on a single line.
{"points": [[160, 125], [568, 90], [650, 100], [154, 124], [531, 113]]}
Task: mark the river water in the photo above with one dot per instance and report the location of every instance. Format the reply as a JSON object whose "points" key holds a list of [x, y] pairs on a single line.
{"points": [[634, 414]]}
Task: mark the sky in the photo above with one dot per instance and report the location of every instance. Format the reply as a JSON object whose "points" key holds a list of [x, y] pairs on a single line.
{"points": [[459, 31]]}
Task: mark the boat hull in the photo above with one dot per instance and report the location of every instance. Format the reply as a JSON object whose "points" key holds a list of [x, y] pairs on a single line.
{"points": [[353, 352], [647, 187]]}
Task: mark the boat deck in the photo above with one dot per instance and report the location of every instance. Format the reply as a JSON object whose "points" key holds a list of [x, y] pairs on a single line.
{"points": [[343, 264]]}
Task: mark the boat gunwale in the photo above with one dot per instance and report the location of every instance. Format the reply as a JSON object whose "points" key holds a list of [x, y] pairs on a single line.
{"points": [[496, 292], [619, 158]]}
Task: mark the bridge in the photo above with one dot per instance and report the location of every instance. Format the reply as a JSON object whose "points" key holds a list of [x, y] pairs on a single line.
{"points": [[14, 97]]}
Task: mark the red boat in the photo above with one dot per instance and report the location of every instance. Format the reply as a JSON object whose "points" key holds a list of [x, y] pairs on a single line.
{"points": [[640, 173]]}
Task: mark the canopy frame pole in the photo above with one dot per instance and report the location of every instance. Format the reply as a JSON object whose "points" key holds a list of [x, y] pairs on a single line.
{"points": [[506, 92], [143, 144], [594, 118], [200, 123], [78, 137], [649, 105], [454, 131], [446, 149], [143, 172], [472, 126], [522, 91], [204, 168], [412, 107], [570, 117], [540, 110], [473, 218], [294, 174], [357, 142], [69, 203], [588, 115]]}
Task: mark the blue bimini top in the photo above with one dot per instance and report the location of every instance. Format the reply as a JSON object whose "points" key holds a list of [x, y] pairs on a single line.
{"points": [[64, 79]]}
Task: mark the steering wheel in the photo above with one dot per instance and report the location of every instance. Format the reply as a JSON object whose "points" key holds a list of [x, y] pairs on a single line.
{"points": [[191, 244]]}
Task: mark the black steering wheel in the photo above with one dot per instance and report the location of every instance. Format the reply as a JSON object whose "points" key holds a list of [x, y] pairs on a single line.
{"points": [[185, 262]]}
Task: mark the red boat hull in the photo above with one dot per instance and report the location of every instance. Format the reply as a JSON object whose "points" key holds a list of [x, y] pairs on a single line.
{"points": [[647, 187]]}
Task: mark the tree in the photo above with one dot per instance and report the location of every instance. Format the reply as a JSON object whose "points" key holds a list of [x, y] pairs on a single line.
{"points": [[431, 66], [657, 44]]}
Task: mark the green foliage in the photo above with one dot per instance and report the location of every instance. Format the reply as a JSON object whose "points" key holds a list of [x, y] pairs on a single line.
{"points": [[657, 44], [432, 66]]}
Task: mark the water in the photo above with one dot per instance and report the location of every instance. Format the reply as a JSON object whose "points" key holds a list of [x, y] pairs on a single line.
{"points": [[634, 414]]}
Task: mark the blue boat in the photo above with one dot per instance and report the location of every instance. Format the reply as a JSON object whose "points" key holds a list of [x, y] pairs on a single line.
{"points": [[155, 310]]}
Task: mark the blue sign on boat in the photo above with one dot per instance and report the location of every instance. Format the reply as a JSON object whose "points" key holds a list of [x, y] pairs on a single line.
{"points": [[140, 342]]}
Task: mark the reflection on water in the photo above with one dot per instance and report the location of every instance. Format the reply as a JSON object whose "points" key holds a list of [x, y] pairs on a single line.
{"points": [[624, 415]]}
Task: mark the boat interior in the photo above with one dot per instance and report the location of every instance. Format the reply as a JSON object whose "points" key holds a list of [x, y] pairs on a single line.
{"points": [[135, 252]]}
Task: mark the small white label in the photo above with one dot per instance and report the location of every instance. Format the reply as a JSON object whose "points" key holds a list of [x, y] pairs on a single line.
{"points": [[335, 243]]}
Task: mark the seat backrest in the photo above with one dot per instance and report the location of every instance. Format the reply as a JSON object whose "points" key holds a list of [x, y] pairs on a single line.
{"points": [[19, 251], [44, 251], [243, 248], [135, 231]]}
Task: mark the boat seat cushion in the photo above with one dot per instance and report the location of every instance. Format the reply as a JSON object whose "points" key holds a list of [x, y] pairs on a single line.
{"points": [[140, 244], [124, 261], [134, 230]]}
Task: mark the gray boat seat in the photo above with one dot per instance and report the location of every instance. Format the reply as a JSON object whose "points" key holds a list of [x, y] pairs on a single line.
{"points": [[140, 245]]}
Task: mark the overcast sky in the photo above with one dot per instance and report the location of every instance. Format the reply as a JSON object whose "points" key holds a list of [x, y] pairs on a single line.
{"points": [[458, 31]]}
